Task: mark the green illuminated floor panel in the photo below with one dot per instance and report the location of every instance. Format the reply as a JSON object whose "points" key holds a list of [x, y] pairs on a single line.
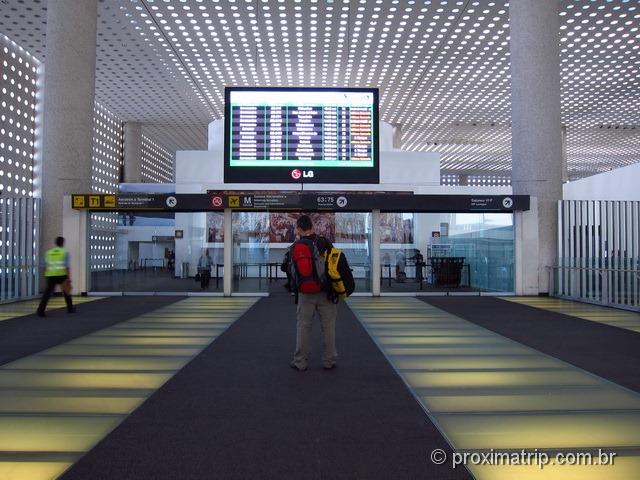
{"points": [[474, 362], [108, 351], [106, 339], [156, 332], [626, 468], [29, 307], [571, 431], [59, 433], [25, 470], [532, 400], [609, 316], [98, 363], [486, 392], [63, 400], [32, 403]]}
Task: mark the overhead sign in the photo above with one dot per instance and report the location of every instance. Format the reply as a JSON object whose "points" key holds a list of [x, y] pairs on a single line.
{"points": [[162, 238], [305, 201]]}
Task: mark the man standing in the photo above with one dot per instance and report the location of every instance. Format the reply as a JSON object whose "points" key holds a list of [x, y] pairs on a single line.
{"points": [[313, 301], [204, 269], [57, 272]]}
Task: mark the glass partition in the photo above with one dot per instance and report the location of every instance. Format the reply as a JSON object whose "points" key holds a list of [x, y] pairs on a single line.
{"points": [[183, 252], [431, 252], [155, 252], [261, 239], [255, 265], [353, 237]]}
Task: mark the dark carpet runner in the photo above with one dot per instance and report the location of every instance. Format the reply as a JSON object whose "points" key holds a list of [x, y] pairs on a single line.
{"points": [[22, 336], [610, 352], [238, 411]]}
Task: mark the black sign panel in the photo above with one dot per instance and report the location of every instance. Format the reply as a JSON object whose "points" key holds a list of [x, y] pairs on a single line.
{"points": [[306, 201], [301, 135]]}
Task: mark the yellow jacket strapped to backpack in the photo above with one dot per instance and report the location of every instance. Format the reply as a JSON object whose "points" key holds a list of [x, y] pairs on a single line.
{"points": [[55, 259], [333, 256]]}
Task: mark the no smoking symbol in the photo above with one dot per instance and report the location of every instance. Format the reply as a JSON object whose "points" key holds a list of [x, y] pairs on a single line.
{"points": [[217, 201]]}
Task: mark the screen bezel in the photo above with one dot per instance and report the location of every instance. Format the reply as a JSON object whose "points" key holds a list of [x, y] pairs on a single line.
{"points": [[282, 174]]}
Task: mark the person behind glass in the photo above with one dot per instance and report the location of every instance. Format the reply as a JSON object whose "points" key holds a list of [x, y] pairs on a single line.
{"points": [[418, 258], [311, 303], [401, 263], [57, 272], [204, 268]]}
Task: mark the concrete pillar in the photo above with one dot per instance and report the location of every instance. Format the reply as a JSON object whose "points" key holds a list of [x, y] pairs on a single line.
{"points": [[375, 253], [227, 273], [69, 82], [75, 226], [463, 180], [565, 166], [133, 152], [397, 136], [536, 136]]}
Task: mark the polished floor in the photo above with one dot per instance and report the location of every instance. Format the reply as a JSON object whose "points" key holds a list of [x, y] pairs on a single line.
{"points": [[200, 387], [595, 313], [20, 309], [57, 404], [485, 391]]}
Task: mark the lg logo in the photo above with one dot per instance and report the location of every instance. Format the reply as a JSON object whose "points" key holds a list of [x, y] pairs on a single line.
{"points": [[296, 174]]}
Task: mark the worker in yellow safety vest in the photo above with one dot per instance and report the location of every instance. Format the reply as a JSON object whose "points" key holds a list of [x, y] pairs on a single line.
{"points": [[57, 272]]}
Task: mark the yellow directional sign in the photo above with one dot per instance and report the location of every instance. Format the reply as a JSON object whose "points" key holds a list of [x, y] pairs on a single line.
{"points": [[78, 201], [234, 201], [109, 201]]}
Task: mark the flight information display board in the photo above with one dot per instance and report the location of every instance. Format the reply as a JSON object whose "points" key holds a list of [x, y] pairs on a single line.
{"points": [[301, 135]]}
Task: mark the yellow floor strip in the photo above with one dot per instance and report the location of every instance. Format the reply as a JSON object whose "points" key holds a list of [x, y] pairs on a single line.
{"points": [[57, 404], [29, 307], [595, 313], [485, 392]]}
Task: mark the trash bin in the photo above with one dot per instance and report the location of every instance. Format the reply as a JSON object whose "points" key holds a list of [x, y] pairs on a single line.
{"points": [[185, 270]]}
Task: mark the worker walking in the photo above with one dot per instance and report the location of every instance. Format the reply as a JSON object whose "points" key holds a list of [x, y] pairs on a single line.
{"points": [[57, 272]]}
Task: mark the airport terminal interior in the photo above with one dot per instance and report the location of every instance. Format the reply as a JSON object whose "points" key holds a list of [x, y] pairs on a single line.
{"points": [[473, 163]]}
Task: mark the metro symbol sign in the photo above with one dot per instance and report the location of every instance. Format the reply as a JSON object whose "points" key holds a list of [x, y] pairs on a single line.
{"points": [[297, 173]]}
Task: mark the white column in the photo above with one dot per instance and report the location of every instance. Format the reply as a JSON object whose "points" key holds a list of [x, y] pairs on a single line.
{"points": [[397, 135], [227, 276], [75, 230], [375, 253], [536, 136], [565, 166], [133, 152], [69, 82]]}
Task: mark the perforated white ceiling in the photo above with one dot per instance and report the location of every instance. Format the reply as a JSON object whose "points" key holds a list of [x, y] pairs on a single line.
{"points": [[442, 67]]}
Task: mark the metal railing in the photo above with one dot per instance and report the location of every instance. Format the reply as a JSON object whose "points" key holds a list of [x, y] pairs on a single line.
{"points": [[19, 230], [614, 287]]}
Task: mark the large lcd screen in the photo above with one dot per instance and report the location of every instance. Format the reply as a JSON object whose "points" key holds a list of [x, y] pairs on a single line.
{"points": [[301, 135]]}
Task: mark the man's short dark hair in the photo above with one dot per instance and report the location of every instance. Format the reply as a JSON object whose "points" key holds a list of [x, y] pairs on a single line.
{"points": [[59, 241], [304, 223]]}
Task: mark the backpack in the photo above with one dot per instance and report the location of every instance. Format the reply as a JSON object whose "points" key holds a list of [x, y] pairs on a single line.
{"points": [[307, 267], [339, 274]]}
